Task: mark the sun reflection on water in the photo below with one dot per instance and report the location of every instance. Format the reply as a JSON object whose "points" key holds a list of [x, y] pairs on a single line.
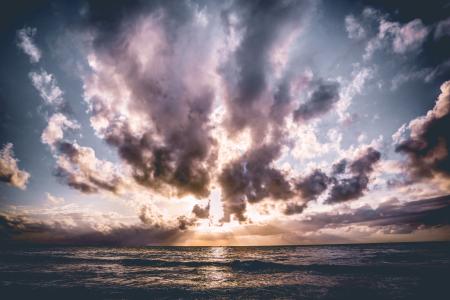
{"points": [[215, 275], [218, 252]]}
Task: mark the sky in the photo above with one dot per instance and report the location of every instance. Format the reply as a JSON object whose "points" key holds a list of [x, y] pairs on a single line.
{"points": [[136, 123]]}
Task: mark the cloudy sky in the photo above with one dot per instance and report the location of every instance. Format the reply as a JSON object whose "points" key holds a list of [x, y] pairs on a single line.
{"points": [[224, 122]]}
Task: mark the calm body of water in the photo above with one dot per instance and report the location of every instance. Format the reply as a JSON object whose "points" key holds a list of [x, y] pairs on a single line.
{"points": [[381, 271]]}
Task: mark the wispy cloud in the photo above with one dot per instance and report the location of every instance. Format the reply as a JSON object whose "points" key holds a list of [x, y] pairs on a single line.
{"points": [[54, 200], [45, 83], [354, 28], [383, 34], [442, 29], [26, 43]]}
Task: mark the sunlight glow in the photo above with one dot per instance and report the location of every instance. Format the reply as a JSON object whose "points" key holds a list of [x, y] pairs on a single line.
{"points": [[215, 207]]}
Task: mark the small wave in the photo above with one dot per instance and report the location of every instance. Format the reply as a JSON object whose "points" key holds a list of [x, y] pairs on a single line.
{"points": [[48, 259], [235, 265], [168, 263], [258, 265]]}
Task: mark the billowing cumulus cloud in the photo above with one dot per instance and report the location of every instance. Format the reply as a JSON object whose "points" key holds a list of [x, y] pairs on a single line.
{"points": [[26, 43], [79, 168], [134, 104], [146, 103], [428, 140], [252, 116], [148, 215], [9, 169]]}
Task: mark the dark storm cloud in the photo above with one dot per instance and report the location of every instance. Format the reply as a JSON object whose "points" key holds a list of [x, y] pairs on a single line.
{"points": [[248, 70], [392, 217], [307, 189], [252, 179], [185, 222], [19, 229], [107, 18], [201, 212], [184, 157], [348, 188], [172, 147], [257, 101], [294, 208], [339, 167], [364, 163], [348, 180], [179, 163], [322, 99], [427, 144], [313, 185], [355, 183], [179, 152]]}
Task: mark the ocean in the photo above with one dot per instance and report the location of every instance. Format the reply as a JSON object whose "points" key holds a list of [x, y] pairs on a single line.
{"points": [[365, 271]]}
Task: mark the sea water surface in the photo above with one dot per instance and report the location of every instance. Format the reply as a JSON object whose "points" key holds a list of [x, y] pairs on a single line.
{"points": [[369, 271]]}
